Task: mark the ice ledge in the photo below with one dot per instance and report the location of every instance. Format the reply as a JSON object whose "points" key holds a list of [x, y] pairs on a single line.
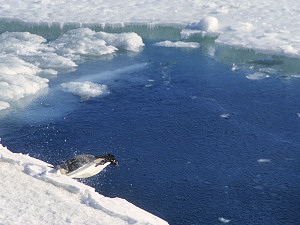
{"points": [[76, 24], [114, 208], [237, 34]]}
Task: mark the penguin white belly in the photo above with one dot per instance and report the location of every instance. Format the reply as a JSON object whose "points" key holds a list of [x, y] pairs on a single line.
{"points": [[87, 170]]}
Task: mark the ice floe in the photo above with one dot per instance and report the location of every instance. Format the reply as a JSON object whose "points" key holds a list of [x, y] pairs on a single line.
{"points": [[257, 76], [127, 41], [225, 115], [223, 220], [178, 44], [86, 89], [18, 78], [263, 160], [4, 105], [81, 41], [28, 61]]}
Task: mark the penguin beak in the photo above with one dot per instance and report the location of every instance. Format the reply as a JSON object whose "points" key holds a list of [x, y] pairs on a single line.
{"points": [[115, 163]]}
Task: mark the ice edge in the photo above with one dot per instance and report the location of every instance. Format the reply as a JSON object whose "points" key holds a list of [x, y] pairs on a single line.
{"points": [[115, 207]]}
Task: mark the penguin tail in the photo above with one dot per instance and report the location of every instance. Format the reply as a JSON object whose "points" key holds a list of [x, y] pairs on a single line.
{"points": [[54, 167]]}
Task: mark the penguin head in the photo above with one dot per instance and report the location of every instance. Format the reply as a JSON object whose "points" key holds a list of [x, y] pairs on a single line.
{"points": [[110, 158]]}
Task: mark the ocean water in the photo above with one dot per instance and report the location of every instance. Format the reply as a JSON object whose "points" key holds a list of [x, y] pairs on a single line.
{"points": [[201, 136]]}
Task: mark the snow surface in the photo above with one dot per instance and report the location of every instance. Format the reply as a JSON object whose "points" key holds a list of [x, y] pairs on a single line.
{"points": [[270, 26], [33, 193]]}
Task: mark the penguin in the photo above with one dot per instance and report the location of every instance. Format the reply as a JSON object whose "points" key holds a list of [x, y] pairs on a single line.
{"points": [[83, 166]]}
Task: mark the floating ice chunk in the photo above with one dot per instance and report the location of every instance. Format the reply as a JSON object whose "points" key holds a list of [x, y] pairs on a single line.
{"points": [[128, 41], [223, 220], [23, 43], [225, 115], [15, 87], [81, 41], [33, 49], [207, 24], [26, 59], [296, 75], [234, 67], [257, 76], [149, 85], [84, 41], [18, 78], [263, 160], [178, 44], [10, 64], [86, 89], [23, 57], [268, 70], [51, 60], [4, 105]]}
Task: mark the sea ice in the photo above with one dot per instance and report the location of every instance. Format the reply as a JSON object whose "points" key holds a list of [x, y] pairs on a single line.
{"points": [[4, 105], [27, 60], [263, 160], [84, 41], [86, 89], [18, 78], [223, 220], [225, 115], [178, 44], [257, 76], [268, 26], [81, 41], [295, 75], [127, 41]]}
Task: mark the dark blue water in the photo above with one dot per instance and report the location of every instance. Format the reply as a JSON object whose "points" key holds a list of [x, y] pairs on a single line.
{"points": [[179, 158]]}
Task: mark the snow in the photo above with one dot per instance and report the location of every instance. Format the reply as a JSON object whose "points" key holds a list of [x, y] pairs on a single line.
{"points": [[33, 193]]}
